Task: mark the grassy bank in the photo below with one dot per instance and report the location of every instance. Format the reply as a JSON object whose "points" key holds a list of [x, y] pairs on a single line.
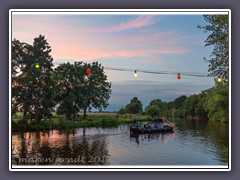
{"points": [[94, 120]]}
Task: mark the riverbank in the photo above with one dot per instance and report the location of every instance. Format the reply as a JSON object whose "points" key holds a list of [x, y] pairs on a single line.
{"points": [[94, 120]]}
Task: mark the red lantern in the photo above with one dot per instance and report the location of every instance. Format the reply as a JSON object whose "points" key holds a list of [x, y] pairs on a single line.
{"points": [[179, 77], [88, 71]]}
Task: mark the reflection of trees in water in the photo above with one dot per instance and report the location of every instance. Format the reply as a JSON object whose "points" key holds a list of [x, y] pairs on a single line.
{"points": [[61, 148], [23, 151], [163, 137], [214, 132]]}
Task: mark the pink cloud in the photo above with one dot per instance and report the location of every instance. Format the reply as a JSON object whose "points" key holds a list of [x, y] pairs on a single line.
{"points": [[140, 21], [143, 52], [60, 51], [73, 42]]}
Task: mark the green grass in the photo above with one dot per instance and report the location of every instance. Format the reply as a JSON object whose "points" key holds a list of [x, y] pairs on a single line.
{"points": [[93, 120]]}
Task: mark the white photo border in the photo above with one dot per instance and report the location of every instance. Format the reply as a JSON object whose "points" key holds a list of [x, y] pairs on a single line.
{"points": [[116, 12]]}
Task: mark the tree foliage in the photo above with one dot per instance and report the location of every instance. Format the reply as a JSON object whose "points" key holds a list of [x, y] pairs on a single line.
{"points": [[156, 107], [175, 108], [32, 90], [122, 111], [67, 89], [153, 110], [178, 102], [75, 89], [218, 27], [211, 104], [36, 88], [216, 103], [190, 105], [134, 107]]}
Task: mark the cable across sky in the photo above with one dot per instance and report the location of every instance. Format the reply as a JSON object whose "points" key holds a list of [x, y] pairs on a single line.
{"points": [[197, 74]]}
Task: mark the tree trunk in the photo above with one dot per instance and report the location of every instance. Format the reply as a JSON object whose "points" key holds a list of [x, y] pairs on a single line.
{"points": [[74, 116], [84, 113]]}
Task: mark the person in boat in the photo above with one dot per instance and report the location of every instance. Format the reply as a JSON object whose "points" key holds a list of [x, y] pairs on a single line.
{"points": [[137, 124], [151, 126], [156, 126], [161, 126], [145, 125], [141, 126]]}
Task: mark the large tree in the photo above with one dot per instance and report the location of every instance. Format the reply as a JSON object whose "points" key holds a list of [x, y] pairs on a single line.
{"points": [[216, 103], [153, 110], [32, 85], [216, 100], [79, 89], [18, 55], [96, 89], [178, 102], [134, 107], [218, 29], [156, 107], [189, 106], [193, 106], [67, 81]]}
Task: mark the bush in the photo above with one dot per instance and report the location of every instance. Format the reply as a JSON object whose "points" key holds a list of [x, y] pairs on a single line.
{"points": [[153, 110], [122, 111]]}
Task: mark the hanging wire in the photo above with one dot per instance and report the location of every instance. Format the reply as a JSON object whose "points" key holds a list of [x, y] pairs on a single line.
{"points": [[193, 74], [158, 72]]}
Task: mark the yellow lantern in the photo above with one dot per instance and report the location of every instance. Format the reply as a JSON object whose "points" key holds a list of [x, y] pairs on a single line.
{"points": [[135, 74], [219, 79]]}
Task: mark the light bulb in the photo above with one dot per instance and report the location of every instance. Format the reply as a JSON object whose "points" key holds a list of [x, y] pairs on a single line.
{"points": [[88, 71], [219, 79], [135, 74], [179, 77]]}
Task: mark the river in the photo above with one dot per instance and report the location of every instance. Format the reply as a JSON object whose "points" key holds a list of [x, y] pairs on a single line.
{"points": [[192, 143]]}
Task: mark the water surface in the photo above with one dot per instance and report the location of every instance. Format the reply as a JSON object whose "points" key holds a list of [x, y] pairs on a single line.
{"points": [[192, 143]]}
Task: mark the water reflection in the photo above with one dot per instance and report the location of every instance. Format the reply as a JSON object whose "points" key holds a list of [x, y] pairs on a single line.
{"points": [[163, 137], [192, 143], [213, 135], [59, 148]]}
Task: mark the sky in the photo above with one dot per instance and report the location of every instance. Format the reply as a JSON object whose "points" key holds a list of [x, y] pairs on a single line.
{"points": [[140, 42]]}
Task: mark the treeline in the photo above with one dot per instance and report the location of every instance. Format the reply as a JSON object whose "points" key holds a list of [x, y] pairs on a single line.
{"points": [[38, 89], [211, 104]]}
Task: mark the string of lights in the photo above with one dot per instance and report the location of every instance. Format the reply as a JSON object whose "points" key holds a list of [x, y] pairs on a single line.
{"points": [[158, 72], [194, 74]]}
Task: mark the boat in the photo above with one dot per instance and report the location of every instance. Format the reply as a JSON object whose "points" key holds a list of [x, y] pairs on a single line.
{"points": [[158, 119], [140, 130]]}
